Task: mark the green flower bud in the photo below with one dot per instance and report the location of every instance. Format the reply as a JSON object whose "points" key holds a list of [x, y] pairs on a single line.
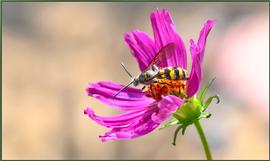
{"points": [[189, 111]]}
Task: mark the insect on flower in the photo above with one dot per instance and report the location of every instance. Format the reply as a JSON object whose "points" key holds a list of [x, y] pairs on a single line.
{"points": [[163, 64], [153, 75]]}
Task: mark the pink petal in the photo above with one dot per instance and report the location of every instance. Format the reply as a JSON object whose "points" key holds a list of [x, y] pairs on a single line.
{"points": [[194, 81], [115, 121], [142, 47], [136, 123], [167, 106], [203, 36], [139, 127], [197, 54], [164, 33], [129, 99]]}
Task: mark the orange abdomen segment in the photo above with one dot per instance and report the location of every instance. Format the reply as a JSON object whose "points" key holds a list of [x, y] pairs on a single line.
{"points": [[165, 87]]}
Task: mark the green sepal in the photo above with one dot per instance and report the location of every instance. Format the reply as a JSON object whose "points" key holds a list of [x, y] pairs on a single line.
{"points": [[176, 133], [209, 100], [184, 130], [205, 115], [171, 122], [201, 98], [180, 127]]}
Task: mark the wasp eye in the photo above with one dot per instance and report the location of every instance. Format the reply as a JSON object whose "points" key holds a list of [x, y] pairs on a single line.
{"points": [[136, 82], [141, 77]]}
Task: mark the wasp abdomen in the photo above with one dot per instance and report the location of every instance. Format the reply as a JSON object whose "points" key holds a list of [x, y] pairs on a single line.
{"points": [[173, 73]]}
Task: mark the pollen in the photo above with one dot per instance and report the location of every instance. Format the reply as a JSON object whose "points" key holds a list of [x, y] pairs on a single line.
{"points": [[165, 87]]}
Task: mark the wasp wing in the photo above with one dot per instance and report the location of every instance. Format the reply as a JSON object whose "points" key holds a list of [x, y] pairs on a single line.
{"points": [[165, 52]]}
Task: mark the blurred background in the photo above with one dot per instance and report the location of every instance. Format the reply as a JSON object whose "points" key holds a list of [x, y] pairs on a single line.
{"points": [[52, 50]]}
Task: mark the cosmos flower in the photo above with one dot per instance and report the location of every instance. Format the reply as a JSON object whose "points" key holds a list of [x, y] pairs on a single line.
{"points": [[142, 113]]}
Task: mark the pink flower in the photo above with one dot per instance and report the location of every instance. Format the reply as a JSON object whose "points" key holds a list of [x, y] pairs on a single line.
{"points": [[144, 114]]}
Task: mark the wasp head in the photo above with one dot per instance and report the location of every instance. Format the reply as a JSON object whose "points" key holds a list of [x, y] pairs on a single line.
{"points": [[136, 82]]}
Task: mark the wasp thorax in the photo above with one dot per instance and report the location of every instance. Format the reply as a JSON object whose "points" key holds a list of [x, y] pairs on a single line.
{"points": [[143, 77]]}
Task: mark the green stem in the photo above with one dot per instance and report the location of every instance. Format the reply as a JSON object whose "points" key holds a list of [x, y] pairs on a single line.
{"points": [[203, 140]]}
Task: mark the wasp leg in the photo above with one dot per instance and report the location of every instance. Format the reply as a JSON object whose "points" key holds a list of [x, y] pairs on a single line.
{"points": [[151, 87], [152, 91], [144, 87]]}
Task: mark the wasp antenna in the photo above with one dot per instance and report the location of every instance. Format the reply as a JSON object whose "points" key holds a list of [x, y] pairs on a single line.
{"points": [[122, 89], [129, 74]]}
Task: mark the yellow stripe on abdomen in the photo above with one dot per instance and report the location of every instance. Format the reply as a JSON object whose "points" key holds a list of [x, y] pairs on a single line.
{"points": [[180, 73], [161, 73], [172, 75]]}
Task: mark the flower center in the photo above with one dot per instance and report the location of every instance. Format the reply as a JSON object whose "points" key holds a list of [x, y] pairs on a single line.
{"points": [[165, 87]]}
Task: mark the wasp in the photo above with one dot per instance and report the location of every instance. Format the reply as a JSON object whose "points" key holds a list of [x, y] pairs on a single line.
{"points": [[155, 72]]}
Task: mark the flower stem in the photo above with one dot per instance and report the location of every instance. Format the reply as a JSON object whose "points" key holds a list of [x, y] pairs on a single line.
{"points": [[203, 140]]}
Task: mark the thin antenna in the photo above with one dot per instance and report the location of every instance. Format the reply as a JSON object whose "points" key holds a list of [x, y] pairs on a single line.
{"points": [[122, 64], [122, 89]]}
